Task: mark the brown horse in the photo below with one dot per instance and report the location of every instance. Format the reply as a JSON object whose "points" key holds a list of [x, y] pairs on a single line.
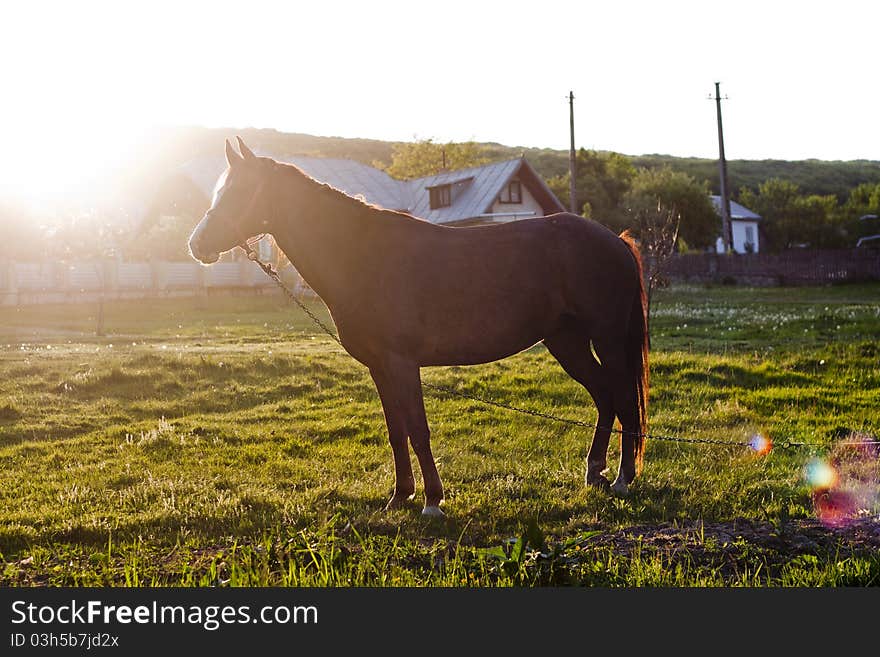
{"points": [[405, 293]]}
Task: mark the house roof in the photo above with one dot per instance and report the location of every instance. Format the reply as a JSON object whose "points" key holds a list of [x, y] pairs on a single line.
{"points": [[355, 179], [474, 190], [737, 211]]}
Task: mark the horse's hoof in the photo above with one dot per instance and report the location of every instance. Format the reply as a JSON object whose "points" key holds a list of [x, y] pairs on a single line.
{"points": [[433, 512], [598, 481], [620, 486], [397, 502]]}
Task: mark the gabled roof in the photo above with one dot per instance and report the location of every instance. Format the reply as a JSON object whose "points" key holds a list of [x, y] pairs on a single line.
{"points": [[355, 179], [737, 211], [474, 190]]}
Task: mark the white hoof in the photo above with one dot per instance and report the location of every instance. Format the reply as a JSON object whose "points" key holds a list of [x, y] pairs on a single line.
{"points": [[433, 511], [620, 486]]}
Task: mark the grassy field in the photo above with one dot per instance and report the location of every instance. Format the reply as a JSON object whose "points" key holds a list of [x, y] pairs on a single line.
{"points": [[225, 441]]}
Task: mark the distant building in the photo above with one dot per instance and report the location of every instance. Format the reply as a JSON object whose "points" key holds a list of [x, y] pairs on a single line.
{"points": [[743, 225], [487, 194]]}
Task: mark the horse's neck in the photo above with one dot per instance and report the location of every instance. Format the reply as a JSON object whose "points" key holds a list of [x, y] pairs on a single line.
{"points": [[320, 231]]}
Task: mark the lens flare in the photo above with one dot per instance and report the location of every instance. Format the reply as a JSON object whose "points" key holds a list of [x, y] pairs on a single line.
{"points": [[820, 474], [834, 507], [845, 484], [760, 444]]}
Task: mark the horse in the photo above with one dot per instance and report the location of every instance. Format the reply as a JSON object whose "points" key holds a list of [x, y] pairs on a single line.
{"points": [[405, 293]]}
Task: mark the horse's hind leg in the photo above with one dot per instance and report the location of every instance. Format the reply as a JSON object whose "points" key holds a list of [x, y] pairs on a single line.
{"points": [[572, 349], [626, 407]]}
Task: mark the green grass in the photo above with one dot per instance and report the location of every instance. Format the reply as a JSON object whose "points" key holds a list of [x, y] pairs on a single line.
{"points": [[224, 441]]}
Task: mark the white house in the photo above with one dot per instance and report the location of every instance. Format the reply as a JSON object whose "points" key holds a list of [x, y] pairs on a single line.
{"points": [[491, 193], [743, 226]]}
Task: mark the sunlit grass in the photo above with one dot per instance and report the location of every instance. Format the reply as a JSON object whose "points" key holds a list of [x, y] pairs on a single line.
{"points": [[224, 441]]}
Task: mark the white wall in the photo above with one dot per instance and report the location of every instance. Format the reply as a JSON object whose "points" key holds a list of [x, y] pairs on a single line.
{"points": [[529, 204], [740, 232]]}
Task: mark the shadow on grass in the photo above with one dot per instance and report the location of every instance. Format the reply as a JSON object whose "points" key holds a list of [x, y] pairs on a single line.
{"points": [[736, 376]]}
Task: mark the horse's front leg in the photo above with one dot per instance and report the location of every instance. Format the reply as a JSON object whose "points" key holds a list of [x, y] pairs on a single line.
{"points": [[404, 482], [404, 383]]}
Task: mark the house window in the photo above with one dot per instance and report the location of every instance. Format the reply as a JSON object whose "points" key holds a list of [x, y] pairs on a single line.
{"points": [[750, 239], [441, 196], [512, 193]]}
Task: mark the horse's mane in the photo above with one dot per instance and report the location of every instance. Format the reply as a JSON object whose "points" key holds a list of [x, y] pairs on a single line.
{"points": [[326, 188]]}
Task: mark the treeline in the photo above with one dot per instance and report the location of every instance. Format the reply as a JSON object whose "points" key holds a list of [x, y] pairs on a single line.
{"points": [[617, 191], [808, 203], [613, 190], [817, 177], [812, 177]]}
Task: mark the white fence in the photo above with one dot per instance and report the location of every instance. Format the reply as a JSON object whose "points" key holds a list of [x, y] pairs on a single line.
{"points": [[47, 282]]}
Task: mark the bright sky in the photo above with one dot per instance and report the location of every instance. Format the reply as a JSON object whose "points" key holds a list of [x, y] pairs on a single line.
{"points": [[83, 79]]}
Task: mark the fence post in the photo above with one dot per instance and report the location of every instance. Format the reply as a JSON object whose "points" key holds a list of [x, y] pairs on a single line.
{"points": [[159, 273], [111, 276], [201, 279], [61, 274], [246, 272], [10, 283]]}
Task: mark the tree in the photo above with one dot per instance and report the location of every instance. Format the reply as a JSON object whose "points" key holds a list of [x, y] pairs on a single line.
{"points": [[820, 223], [164, 238], [21, 238], [700, 224], [601, 180], [781, 206], [863, 200], [426, 158], [776, 202], [658, 229], [87, 236]]}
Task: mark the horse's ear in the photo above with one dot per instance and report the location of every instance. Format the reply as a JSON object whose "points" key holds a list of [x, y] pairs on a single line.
{"points": [[232, 158], [246, 152]]}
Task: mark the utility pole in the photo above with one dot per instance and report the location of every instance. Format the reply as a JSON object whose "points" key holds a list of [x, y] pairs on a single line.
{"points": [[571, 157], [726, 236]]}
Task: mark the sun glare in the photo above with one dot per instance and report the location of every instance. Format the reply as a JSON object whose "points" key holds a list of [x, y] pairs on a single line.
{"points": [[45, 165]]}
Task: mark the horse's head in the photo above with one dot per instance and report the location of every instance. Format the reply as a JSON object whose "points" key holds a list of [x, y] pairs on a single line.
{"points": [[240, 208]]}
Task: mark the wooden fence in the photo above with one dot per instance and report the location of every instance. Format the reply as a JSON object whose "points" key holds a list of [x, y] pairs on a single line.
{"points": [[51, 282], [795, 267]]}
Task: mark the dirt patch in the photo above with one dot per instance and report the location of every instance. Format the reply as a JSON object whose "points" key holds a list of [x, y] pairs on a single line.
{"points": [[773, 543], [800, 536]]}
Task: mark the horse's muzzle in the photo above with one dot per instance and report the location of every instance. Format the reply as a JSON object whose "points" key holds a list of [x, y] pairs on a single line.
{"points": [[198, 250]]}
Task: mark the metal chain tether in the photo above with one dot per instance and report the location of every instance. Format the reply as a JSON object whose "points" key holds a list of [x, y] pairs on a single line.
{"points": [[787, 444]]}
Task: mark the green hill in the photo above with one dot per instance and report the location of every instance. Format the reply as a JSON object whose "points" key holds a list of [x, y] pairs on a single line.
{"points": [[812, 176]]}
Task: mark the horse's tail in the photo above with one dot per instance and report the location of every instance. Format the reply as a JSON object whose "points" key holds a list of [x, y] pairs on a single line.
{"points": [[637, 348]]}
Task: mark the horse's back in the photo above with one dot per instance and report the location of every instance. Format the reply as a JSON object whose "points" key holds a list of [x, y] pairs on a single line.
{"points": [[584, 256], [487, 291], [558, 259]]}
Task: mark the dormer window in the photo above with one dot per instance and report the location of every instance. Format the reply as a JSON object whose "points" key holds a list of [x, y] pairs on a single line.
{"points": [[512, 193], [440, 196]]}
